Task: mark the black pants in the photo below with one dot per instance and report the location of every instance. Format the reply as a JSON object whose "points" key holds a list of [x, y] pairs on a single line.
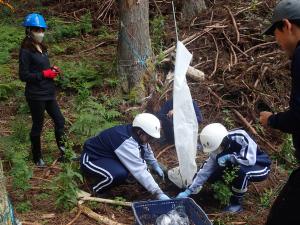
{"points": [[37, 109]]}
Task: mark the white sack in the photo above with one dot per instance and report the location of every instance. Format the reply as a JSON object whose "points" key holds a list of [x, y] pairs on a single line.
{"points": [[185, 122]]}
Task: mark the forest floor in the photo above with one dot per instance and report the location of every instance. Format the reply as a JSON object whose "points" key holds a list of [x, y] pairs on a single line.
{"points": [[245, 74]]}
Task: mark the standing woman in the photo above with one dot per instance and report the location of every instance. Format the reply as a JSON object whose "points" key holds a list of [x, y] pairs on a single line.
{"points": [[35, 70]]}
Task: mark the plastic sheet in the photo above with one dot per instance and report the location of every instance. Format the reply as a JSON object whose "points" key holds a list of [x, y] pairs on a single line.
{"points": [[185, 122]]}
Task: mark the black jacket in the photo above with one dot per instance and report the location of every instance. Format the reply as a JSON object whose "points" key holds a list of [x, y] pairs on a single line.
{"points": [[289, 121], [31, 65], [285, 209]]}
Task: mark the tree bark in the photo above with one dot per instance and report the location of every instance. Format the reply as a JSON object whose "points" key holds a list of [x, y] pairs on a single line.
{"points": [[192, 8], [134, 45]]}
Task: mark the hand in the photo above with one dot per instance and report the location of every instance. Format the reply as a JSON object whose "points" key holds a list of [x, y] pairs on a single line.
{"points": [[159, 171], [49, 73], [263, 118], [184, 194], [170, 113], [223, 159], [163, 197], [56, 69]]}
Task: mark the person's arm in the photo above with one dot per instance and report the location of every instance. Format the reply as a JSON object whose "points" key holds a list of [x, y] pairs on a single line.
{"points": [[24, 63], [209, 166], [129, 155], [287, 121], [149, 156]]}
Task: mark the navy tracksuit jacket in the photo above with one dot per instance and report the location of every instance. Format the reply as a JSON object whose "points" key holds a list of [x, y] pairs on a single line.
{"points": [[114, 153]]}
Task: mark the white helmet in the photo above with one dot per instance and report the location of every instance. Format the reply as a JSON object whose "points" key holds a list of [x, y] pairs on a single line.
{"points": [[148, 123], [212, 136]]}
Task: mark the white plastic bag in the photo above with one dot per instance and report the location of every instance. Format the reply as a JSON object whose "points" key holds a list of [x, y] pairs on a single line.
{"points": [[185, 122]]}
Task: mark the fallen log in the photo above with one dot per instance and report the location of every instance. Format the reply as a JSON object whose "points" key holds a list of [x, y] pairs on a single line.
{"points": [[85, 196], [100, 219]]}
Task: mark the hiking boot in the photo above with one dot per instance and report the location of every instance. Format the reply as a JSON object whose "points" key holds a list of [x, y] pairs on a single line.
{"points": [[40, 163]]}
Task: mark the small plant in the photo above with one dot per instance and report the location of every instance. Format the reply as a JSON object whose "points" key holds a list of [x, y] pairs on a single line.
{"points": [[42, 196], [228, 122], [20, 130], [24, 207], [222, 190], [157, 33], [119, 199], [266, 198], [93, 117], [20, 172], [288, 149], [65, 186]]}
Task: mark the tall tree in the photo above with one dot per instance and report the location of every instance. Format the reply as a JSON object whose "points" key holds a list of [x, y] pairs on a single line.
{"points": [[134, 45], [192, 8]]}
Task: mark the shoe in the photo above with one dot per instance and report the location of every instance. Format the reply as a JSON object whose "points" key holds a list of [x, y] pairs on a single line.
{"points": [[233, 208], [40, 163]]}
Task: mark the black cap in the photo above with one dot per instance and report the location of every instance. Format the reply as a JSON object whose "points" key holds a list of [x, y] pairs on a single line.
{"points": [[286, 9]]}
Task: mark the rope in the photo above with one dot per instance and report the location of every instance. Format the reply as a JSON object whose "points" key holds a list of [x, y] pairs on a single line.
{"points": [[141, 60]]}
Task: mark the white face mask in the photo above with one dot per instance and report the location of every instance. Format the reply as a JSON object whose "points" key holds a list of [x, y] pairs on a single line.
{"points": [[38, 36]]}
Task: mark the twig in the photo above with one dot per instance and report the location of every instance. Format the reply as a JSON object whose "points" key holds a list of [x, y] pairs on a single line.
{"points": [[100, 219], [261, 75], [87, 50], [29, 223], [103, 200], [164, 150], [47, 173], [246, 123], [157, 7], [76, 217], [260, 45], [217, 55], [188, 39], [234, 24], [233, 45]]}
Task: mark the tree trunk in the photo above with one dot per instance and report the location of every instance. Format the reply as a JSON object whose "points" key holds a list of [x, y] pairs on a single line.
{"points": [[134, 45], [6, 214], [192, 8]]}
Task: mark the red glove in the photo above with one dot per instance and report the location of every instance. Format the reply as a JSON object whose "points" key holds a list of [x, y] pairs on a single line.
{"points": [[49, 73]]}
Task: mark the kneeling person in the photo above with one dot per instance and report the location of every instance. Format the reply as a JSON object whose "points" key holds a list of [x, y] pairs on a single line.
{"points": [[110, 156], [228, 150]]}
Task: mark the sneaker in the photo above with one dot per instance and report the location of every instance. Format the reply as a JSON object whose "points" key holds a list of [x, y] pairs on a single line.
{"points": [[233, 208], [40, 163]]}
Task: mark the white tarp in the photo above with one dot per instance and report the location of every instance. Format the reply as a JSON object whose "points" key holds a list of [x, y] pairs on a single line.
{"points": [[185, 122]]}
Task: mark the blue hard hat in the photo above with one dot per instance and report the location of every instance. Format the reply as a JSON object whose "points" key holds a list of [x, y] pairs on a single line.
{"points": [[34, 20]]}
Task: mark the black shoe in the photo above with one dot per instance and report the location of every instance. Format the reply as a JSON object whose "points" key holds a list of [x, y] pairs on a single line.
{"points": [[40, 163]]}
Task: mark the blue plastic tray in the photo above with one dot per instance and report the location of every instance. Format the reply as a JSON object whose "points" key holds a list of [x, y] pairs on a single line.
{"points": [[146, 213]]}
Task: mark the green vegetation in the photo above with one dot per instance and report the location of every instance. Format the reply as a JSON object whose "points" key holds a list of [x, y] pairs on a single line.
{"points": [[222, 189], [65, 186], [266, 198], [288, 149], [59, 29], [157, 32]]}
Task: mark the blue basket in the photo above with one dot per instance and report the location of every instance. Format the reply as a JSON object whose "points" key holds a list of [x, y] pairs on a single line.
{"points": [[146, 213]]}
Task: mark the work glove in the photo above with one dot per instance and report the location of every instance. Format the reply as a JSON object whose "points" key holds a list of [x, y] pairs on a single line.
{"points": [[163, 196], [223, 159], [50, 73], [159, 171], [184, 194]]}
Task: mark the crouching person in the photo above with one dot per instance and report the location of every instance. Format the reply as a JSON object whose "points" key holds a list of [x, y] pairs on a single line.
{"points": [[110, 156], [230, 150]]}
